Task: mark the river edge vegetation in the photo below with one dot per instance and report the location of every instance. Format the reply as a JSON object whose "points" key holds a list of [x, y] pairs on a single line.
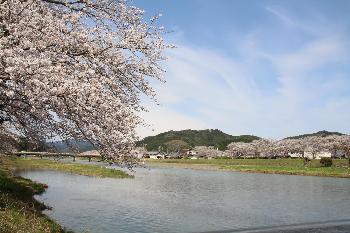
{"points": [[340, 167], [19, 211], [74, 168]]}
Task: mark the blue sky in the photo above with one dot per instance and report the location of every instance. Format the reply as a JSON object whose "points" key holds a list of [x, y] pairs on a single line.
{"points": [[268, 68]]}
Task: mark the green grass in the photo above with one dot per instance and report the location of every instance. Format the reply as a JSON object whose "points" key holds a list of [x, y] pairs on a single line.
{"points": [[19, 211], [18, 215], [80, 169], [307, 171], [277, 166]]}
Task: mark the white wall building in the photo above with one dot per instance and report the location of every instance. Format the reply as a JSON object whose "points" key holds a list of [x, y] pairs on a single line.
{"points": [[319, 155], [308, 154]]}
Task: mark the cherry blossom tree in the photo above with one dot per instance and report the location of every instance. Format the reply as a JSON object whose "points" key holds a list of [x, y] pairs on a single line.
{"points": [[296, 146], [332, 144], [239, 149], [264, 148], [176, 145], [282, 148], [75, 69], [8, 139], [315, 145], [339, 145], [207, 152], [344, 144]]}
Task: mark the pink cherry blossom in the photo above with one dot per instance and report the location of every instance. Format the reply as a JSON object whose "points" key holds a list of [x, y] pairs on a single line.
{"points": [[76, 70]]}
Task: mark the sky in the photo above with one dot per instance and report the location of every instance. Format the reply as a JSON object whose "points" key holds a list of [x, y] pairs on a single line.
{"points": [[267, 68]]}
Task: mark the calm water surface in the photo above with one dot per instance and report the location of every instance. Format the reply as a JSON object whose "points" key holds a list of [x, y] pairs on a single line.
{"points": [[184, 200]]}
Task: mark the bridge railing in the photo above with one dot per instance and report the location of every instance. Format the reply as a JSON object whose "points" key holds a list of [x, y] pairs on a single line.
{"points": [[52, 154]]}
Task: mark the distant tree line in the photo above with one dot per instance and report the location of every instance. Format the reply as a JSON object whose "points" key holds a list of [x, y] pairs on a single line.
{"points": [[336, 145]]}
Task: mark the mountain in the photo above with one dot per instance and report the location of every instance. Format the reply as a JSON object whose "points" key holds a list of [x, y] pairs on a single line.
{"points": [[65, 147], [322, 133], [208, 137]]}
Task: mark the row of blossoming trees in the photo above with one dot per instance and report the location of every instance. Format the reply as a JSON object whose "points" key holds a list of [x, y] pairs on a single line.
{"points": [[311, 147], [336, 146]]}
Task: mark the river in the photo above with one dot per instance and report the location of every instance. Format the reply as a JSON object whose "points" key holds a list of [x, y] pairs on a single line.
{"points": [[186, 200]]}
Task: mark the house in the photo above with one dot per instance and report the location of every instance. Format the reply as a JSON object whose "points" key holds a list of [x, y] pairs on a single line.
{"points": [[295, 155], [154, 155], [191, 152], [318, 155], [139, 152], [173, 155], [308, 154], [90, 152]]}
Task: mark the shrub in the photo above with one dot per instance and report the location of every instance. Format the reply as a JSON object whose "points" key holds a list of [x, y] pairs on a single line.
{"points": [[326, 162], [223, 157], [306, 161]]}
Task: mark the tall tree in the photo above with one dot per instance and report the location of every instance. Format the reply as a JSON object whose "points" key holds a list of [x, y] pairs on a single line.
{"points": [[75, 69], [177, 145]]}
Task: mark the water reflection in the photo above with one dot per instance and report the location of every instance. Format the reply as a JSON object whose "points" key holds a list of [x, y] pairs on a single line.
{"points": [[184, 200]]}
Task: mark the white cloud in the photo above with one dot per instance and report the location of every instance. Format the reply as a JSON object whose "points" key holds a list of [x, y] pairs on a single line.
{"points": [[312, 56], [161, 119], [207, 89]]}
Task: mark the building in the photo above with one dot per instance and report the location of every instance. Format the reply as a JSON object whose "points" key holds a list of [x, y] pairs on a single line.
{"points": [[191, 152], [154, 155], [318, 155], [308, 154]]}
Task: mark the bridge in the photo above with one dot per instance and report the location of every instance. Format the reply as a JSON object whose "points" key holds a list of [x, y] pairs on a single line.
{"points": [[57, 155]]}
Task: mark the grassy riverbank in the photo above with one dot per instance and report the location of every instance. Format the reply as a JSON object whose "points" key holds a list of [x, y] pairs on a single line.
{"points": [[273, 166], [19, 211], [74, 168]]}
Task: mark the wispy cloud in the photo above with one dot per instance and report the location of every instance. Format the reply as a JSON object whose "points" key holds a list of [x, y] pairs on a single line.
{"points": [[312, 56], [258, 90], [161, 118], [279, 13]]}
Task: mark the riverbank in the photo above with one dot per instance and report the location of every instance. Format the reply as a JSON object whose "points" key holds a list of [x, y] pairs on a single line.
{"points": [[74, 168], [271, 166], [19, 211]]}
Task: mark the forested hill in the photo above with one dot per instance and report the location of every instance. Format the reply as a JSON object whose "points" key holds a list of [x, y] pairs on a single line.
{"points": [[322, 133], [56, 146], [63, 147], [191, 138]]}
